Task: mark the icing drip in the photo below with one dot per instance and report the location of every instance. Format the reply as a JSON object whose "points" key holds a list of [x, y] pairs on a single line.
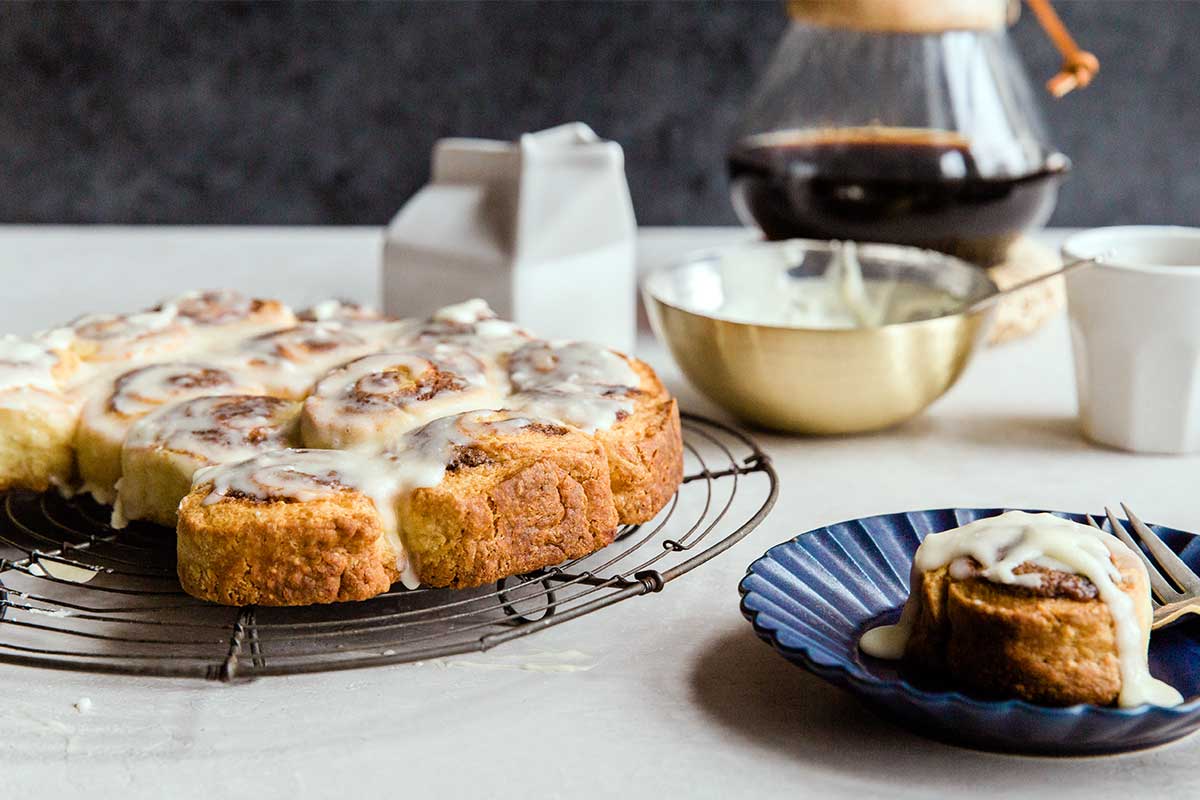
{"points": [[306, 475], [419, 460], [576, 383], [1002, 544]]}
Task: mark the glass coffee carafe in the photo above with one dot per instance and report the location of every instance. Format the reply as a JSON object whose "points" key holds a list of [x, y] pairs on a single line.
{"points": [[904, 121]]}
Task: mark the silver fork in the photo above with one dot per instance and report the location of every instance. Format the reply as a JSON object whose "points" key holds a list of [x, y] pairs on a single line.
{"points": [[1170, 603]]}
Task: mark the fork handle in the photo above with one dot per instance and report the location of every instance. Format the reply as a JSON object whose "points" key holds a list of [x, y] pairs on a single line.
{"points": [[1169, 613]]}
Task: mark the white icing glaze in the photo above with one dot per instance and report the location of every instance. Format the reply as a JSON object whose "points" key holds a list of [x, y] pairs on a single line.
{"points": [[56, 338], [432, 447], [467, 312], [374, 398], [212, 306], [471, 325], [136, 393], [25, 363], [333, 310], [140, 391], [419, 460], [290, 360], [1003, 543], [196, 433], [576, 383], [216, 430], [132, 336], [841, 298]]}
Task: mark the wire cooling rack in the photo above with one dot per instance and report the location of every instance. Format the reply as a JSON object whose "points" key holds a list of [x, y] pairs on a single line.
{"points": [[77, 595]]}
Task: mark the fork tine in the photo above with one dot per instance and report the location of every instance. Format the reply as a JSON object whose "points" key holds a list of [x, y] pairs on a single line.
{"points": [[1171, 564], [1163, 590]]}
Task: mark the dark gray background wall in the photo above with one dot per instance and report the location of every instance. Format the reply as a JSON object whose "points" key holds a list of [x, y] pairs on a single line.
{"points": [[325, 112]]}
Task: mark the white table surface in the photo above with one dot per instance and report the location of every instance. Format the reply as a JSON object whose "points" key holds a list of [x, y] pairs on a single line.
{"points": [[678, 697]]}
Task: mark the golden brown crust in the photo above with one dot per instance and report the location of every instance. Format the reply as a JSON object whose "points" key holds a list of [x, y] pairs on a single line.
{"points": [[645, 451], [1001, 641], [526, 503], [240, 551], [511, 501]]}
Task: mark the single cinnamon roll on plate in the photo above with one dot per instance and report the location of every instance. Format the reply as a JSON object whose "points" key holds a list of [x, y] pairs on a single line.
{"points": [[370, 401], [164, 449], [1028, 606], [462, 501], [113, 407], [37, 418], [617, 398]]}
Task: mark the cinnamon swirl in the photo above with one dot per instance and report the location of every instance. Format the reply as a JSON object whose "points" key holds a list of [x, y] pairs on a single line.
{"points": [[231, 313], [113, 408], [164, 449], [371, 400], [129, 338], [289, 361]]}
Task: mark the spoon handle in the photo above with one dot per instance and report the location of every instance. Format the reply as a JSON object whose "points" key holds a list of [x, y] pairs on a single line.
{"points": [[1025, 284]]}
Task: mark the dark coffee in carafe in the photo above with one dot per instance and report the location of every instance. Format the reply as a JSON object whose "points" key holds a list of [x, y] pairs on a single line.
{"points": [[906, 186]]}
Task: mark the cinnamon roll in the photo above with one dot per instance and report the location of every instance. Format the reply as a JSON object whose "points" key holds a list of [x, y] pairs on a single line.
{"points": [[515, 494], [164, 449], [462, 501], [472, 325], [292, 527], [290, 360], [371, 400], [617, 398], [130, 338], [231, 313], [1028, 606], [37, 418], [114, 407]]}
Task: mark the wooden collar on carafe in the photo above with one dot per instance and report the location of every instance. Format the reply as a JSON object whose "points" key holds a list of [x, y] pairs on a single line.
{"points": [[905, 16]]}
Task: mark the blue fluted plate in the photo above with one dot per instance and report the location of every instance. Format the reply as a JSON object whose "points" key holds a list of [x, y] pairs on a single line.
{"points": [[812, 597]]}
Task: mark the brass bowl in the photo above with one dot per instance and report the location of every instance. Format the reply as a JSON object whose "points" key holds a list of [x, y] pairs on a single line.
{"points": [[813, 380]]}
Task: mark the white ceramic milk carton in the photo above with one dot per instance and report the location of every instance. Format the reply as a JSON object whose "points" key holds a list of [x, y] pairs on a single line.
{"points": [[543, 229]]}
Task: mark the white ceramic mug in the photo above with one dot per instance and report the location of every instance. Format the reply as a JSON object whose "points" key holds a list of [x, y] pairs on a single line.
{"points": [[1135, 327]]}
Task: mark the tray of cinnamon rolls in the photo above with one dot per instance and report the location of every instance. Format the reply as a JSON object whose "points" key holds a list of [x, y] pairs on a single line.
{"points": [[325, 455]]}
